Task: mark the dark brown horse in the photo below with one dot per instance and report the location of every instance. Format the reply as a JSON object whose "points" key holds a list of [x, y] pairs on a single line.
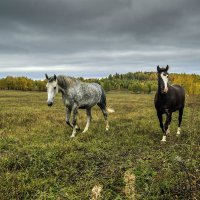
{"points": [[168, 99]]}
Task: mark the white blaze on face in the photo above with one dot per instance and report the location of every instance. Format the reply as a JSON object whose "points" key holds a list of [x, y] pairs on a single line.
{"points": [[165, 80], [52, 89]]}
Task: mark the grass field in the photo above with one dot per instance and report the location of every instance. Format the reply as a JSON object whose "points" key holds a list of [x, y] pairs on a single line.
{"points": [[39, 160]]}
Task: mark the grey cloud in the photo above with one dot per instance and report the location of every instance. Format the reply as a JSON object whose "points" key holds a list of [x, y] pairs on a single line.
{"points": [[98, 34]]}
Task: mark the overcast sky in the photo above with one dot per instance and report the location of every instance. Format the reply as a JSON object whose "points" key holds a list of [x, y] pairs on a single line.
{"points": [[95, 38]]}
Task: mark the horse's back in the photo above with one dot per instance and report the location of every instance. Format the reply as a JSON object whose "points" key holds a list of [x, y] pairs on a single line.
{"points": [[178, 87], [100, 92], [180, 94], [89, 94], [95, 86], [179, 90]]}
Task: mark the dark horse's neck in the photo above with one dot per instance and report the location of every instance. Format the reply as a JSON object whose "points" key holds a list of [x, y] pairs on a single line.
{"points": [[159, 90]]}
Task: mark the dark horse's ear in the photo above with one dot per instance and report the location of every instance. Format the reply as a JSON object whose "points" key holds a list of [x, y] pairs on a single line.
{"points": [[46, 76], [55, 77], [158, 68], [167, 68]]}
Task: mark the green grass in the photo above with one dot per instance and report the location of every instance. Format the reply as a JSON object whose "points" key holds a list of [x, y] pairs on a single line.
{"points": [[39, 160]]}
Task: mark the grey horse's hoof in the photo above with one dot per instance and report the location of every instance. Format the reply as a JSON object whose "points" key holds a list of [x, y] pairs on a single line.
{"points": [[77, 128], [83, 131]]}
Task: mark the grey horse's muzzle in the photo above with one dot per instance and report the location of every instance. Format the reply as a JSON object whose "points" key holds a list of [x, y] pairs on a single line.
{"points": [[49, 103]]}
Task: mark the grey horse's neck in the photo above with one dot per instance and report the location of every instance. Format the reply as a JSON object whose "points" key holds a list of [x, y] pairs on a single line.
{"points": [[66, 82]]}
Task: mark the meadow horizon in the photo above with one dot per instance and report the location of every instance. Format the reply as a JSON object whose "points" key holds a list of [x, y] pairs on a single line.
{"points": [[92, 77]]}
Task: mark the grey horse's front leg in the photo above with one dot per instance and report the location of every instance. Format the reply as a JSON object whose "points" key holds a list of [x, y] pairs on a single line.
{"points": [[89, 117], [68, 117], [74, 118]]}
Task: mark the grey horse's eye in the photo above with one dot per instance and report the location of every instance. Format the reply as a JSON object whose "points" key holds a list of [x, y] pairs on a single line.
{"points": [[54, 88]]}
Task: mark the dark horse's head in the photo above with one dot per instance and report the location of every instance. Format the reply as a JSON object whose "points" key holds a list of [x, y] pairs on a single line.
{"points": [[52, 88], [163, 79]]}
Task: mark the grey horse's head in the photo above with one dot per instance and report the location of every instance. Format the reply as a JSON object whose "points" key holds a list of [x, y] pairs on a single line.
{"points": [[163, 78], [52, 88]]}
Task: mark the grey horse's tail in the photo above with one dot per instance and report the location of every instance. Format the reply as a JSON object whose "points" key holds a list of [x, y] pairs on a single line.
{"points": [[110, 110]]}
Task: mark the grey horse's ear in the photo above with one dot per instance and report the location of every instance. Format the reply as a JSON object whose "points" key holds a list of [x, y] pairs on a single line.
{"points": [[46, 76], [55, 77], [167, 68], [158, 68]]}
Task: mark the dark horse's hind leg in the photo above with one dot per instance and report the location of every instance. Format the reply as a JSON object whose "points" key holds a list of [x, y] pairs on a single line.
{"points": [[179, 121], [105, 113]]}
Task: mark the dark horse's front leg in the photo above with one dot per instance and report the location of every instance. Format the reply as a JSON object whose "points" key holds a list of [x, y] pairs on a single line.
{"points": [[167, 123], [159, 114], [160, 117]]}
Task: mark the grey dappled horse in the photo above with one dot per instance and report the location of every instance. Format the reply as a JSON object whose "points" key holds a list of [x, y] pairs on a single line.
{"points": [[77, 95], [168, 99]]}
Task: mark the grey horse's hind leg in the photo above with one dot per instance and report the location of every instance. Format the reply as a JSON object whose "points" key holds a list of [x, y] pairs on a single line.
{"points": [[89, 117], [105, 114], [74, 118], [68, 119]]}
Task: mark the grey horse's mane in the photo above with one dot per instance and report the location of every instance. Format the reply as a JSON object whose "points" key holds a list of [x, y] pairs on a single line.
{"points": [[66, 82]]}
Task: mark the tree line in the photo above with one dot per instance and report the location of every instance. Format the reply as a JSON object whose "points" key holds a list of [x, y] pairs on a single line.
{"points": [[137, 82], [22, 83]]}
